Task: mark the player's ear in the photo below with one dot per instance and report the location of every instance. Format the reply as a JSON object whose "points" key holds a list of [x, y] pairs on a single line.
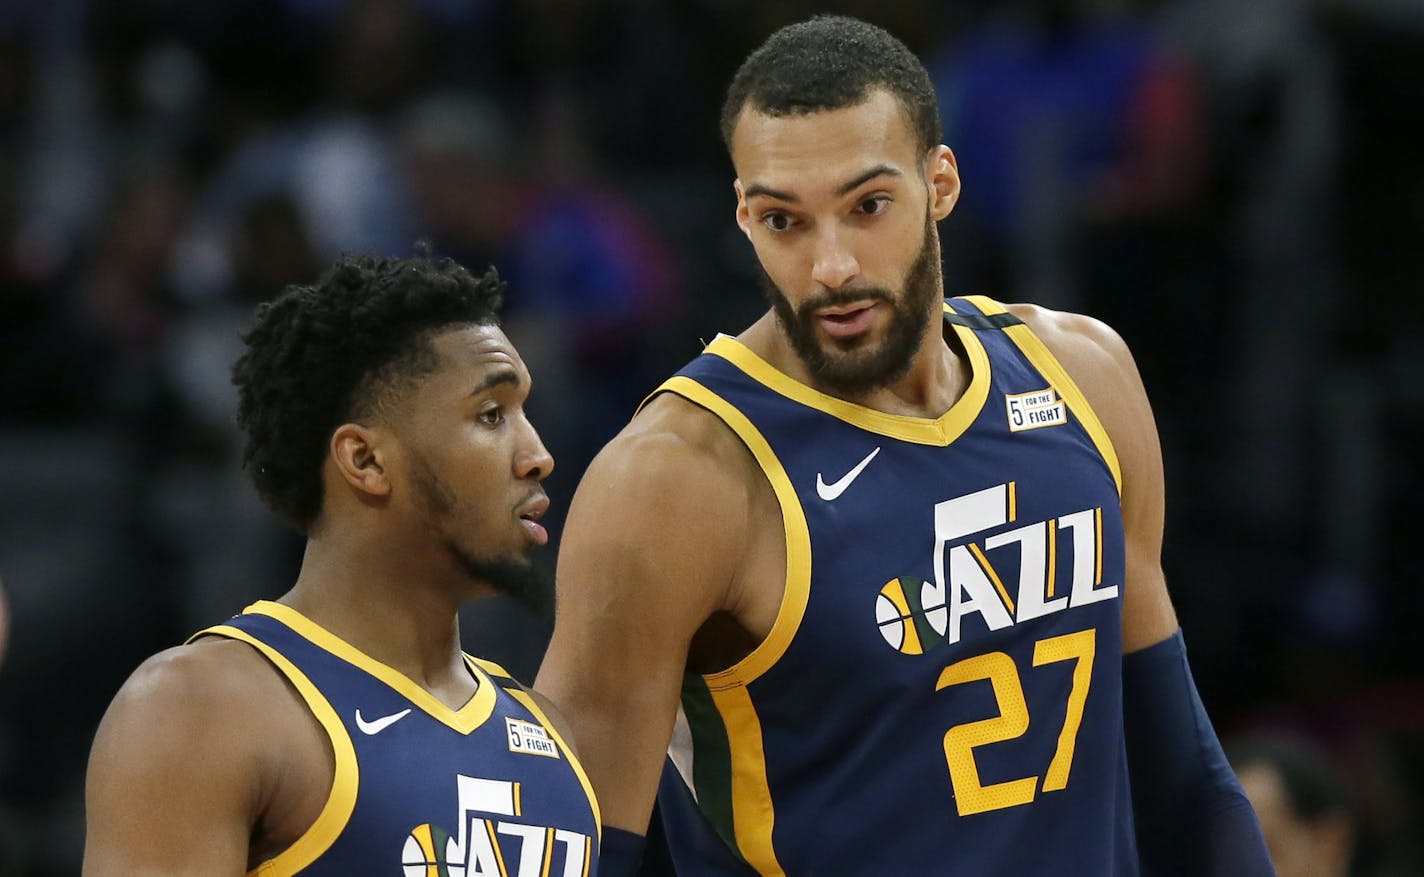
{"points": [[359, 456], [744, 216], [942, 178]]}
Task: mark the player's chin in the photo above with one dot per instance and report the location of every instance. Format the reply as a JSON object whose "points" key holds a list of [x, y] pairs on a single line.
{"points": [[851, 354], [518, 553], [527, 583]]}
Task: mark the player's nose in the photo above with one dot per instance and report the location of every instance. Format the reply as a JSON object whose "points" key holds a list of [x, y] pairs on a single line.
{"points": [[532, 460], [835, 264]]}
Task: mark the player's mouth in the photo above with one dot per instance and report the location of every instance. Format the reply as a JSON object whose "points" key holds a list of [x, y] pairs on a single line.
{"points": [[846, 321], [529, 514]]}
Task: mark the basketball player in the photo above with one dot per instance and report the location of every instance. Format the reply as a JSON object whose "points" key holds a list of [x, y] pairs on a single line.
{"points": [[340, 729], [895, 557]]}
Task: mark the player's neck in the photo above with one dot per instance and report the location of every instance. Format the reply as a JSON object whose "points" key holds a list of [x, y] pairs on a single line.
{"points": [[393, 615], [936, 379]]}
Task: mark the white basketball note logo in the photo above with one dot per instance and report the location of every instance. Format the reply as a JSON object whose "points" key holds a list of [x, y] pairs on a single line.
{"points": [[495, 847]]}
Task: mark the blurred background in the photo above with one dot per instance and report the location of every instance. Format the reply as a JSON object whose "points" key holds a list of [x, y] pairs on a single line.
{"points": [[1234, 186]]}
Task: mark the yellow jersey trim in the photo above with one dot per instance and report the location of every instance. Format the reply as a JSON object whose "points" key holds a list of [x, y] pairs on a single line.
{"points": [[793, 519], [489, 666], [337, 811], [753, 815], [533, 706], [467, 718], [939, 431], [1048, 364]]}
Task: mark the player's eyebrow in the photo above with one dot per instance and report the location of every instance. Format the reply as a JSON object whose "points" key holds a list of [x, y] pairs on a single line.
{"points": [[494, 379], [879, 170], [845, 188], [756, 189]]}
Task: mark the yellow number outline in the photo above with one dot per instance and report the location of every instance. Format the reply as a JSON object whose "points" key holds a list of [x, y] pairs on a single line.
{"points": [[971, 795]]}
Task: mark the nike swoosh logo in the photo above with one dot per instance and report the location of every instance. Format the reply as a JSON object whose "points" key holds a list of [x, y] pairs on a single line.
{"points": [[830, 491], [376, 726]]}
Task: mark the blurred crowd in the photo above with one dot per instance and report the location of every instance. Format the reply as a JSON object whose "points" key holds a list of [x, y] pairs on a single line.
{"points": [[1234, 186]]}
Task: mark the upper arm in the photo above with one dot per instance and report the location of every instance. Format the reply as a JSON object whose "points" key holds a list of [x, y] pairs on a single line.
{"points": [[647, 555], [173, 785], [1103, 368]]}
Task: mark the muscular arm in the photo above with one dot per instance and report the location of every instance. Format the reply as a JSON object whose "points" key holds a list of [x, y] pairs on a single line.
{"points": [[175, 782], [1103, 368], [1192, 816], [648, 554]]}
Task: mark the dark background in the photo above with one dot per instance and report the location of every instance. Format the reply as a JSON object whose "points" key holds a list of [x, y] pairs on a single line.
{"points": [[1233, 186]]}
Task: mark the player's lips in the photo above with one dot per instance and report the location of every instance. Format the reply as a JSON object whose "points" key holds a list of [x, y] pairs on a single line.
{"points": [[845, 321], [529, 514]]}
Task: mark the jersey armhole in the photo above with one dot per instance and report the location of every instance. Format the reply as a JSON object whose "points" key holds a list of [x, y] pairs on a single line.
{"points": [[1043, 359], [797, 586], [341, 801]]}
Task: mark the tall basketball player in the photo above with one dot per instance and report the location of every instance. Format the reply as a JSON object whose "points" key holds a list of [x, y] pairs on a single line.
{"points": [[895, 557], [340, 729]]}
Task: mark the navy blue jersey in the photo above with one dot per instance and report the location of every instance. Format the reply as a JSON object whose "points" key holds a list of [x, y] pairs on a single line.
{"points": [[941, 691], [420, 789]]}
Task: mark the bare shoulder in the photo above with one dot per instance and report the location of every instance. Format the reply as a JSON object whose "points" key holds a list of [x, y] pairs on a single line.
{"points": [[206, 675], [661, 517], [185, 750], [1100, 363], [675, 430], [1084, 345], [554, 717], [675, 463], [189, 700]]}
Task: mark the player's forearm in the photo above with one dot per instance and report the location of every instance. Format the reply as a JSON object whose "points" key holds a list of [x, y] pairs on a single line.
{"points": [[1192, 816]]}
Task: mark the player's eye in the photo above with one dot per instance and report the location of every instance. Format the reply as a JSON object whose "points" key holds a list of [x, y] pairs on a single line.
{"points": [[875, 206], [493, 416], [776, 221]]}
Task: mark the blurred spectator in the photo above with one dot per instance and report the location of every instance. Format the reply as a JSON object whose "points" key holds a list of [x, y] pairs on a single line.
{"points": [[334, 161], [1061, 112], [37, 318], [1303, 807], [200, 488], [1368, 735], [126, 293], [590, 282]]}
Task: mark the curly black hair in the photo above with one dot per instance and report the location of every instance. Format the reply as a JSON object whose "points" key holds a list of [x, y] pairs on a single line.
{"points": [[321, 355], [831, 62]]}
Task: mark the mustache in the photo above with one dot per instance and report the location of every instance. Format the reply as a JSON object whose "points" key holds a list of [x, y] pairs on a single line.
{"points": [[537, 495], [836, 297]]}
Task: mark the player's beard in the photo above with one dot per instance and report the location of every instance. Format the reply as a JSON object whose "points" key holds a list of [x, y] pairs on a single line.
{"points": [[513, 575], [854, 369], [529, 584]]}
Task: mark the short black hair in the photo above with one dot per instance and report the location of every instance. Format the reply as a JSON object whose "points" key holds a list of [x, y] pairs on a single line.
{"points": [[831, 62], [321, 355]]}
